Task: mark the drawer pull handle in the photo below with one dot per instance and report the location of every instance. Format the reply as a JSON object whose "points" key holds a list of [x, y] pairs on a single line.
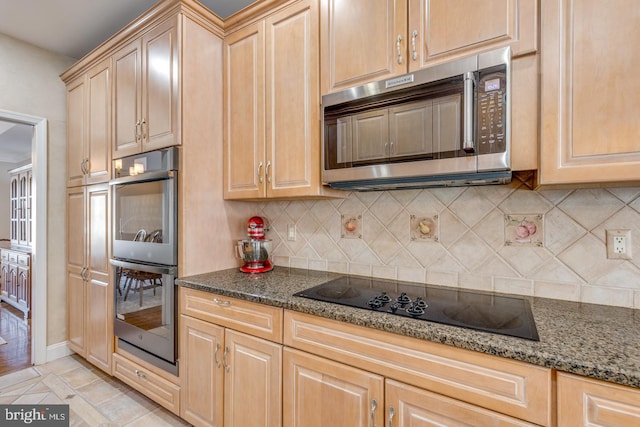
{"points": [[222, 302], [392, 412], [215, 355], [414, 52], [140, 374], [227, 367], [374, 406], [260, 179]]}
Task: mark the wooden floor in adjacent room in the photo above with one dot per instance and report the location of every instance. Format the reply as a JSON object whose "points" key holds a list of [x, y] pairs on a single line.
{"points": [[16, 353]]}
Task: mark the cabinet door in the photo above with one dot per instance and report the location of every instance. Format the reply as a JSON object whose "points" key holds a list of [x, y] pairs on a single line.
{"points": [[410, 406], [201, 372], [76, 257], [12, 285], [292, 108], [244, 130], [362, 41], [98, 144], [4, 280], [441, 30], [160, 91], [23, 288], [25, 210], [14, 192], [127, 93], [318, 392], [76, 130], [99, 293], [590, 126], [586, 402], [253, 381]]}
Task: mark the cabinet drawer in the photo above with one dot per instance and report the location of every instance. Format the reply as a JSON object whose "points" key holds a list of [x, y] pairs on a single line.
{"points": [[244, 316], [13, 257], [24, 260], [4, 256], [414, 405], [588, 402], [146, 382], [507, 386]]}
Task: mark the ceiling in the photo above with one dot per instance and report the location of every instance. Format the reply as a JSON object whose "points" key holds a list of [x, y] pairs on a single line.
{"points": [[72, 28], [75, 27], [15, 142]]}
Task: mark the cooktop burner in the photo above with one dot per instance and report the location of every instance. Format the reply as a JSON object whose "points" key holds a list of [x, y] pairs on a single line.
{"points": [[484, 312]]}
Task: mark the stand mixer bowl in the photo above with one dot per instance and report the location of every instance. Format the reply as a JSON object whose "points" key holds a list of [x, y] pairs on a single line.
{"points": [[255, 254]]}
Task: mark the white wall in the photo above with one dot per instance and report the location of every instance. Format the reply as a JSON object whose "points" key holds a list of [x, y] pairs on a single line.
{"points": [[4, 199], [30, 84]]}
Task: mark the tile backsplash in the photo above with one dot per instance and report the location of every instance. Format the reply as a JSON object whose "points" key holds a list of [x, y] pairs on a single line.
{"points": [[471, 245]]}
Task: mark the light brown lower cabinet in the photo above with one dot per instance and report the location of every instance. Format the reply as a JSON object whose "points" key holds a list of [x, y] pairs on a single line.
{"points": [[461, 384], [318, 392], [150, 382], [228, 378], [410, 406], [588, 402]]}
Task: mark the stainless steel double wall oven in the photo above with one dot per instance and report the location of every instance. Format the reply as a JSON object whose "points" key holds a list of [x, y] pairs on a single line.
{"points": [[145, 255]]}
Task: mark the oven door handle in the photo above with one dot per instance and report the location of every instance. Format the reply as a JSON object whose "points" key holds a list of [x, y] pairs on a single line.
{"points": [[158, 269], [144, 177]]}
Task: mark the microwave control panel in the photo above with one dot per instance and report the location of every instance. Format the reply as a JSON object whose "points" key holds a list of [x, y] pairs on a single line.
{"points": [[491, 102]]}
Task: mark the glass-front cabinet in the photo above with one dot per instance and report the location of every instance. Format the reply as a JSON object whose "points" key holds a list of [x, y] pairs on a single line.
{"points": [[20, 201]]}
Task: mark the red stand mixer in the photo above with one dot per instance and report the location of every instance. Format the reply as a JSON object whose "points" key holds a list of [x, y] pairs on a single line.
{"points": [[254, 251]]}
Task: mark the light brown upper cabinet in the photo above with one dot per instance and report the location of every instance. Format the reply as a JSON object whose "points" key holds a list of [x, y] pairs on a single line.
{"points": [[589, 97], [146, 107], [364, 41], [271, 98], [89, 126]]}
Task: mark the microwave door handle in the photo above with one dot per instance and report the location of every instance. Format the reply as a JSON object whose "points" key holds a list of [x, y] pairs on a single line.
{"points": [[469, 85]]}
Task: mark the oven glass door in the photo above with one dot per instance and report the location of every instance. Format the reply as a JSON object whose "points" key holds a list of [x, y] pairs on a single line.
{"points": [[145, 298], [145, 220]]}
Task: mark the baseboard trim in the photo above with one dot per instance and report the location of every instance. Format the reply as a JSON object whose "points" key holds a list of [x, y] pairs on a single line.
{"points": [[56, 351]]}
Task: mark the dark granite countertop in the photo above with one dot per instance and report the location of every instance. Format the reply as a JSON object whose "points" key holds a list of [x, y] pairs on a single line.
{"points": [[597, 341]]}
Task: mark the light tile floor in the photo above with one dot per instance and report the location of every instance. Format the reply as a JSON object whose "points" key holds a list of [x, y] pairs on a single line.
{"points": [[95, 399]]}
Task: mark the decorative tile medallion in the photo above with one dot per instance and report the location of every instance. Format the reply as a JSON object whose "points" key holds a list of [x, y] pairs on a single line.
{"points": [[424, 228], [351, 227], [523, 230]]}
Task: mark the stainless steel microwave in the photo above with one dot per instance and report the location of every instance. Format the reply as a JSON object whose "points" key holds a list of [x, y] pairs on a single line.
{"points": [[447, 125]]}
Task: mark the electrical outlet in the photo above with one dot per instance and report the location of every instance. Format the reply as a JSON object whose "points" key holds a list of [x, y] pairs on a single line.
{"points": [[618, 244], [291, 232]]}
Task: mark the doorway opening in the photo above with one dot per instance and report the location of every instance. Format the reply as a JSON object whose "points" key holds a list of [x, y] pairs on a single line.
{"points": [[38, 329]]}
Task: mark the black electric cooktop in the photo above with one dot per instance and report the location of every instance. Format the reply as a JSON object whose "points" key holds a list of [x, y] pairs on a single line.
{"points": [[484, 312]]}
